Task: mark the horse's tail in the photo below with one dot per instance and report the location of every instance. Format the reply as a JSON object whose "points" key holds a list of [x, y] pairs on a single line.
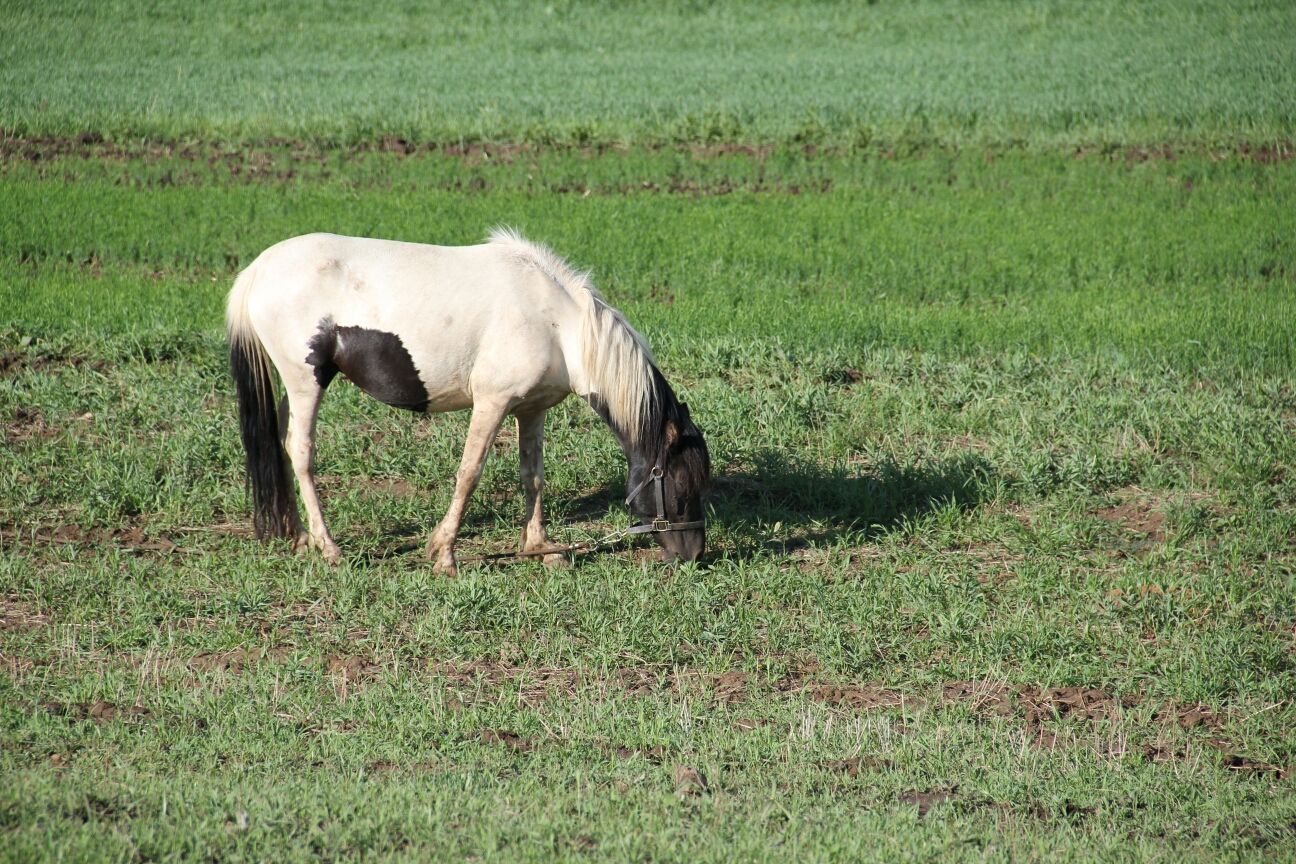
{"points": [[274, 512]]}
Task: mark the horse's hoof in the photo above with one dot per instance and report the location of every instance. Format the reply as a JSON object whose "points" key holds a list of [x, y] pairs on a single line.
{"points": [[301, 543], [441, 568], [332, 555], [557, 561]]}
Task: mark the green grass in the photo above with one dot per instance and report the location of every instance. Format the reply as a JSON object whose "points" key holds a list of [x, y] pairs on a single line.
{"points": [[987, 312], [1038, 74], [1188, 261], [1024, 421]]}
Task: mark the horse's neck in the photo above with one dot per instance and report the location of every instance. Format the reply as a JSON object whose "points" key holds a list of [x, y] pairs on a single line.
{"points": [[648, 441], [635, 454]]}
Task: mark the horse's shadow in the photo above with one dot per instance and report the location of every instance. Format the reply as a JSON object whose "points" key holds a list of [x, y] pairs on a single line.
{"points": [[777, 503], [814, 504]]}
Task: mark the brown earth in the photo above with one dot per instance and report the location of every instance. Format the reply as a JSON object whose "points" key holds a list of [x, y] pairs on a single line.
{"points": [[28, 423], [512, 740], [99, 712], [1045, 713], [132, 539], [16, 362], [18, 616], [93, 145], [1136, 517]]}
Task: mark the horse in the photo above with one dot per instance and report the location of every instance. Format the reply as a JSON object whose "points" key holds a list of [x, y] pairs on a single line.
{"points": [[503, 327]]}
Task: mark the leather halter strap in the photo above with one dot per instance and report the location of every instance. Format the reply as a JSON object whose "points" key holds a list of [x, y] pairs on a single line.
{"points": [[659, 523]]}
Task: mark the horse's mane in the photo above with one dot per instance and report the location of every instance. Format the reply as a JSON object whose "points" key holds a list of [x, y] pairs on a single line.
{"points": [[615, 356]]}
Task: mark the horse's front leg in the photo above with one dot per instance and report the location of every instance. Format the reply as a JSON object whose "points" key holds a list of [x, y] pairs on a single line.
{"points": [[485, 423], [531, 461]]}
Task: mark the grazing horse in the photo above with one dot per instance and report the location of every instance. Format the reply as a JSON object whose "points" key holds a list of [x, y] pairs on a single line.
{"points": [[505, 327]]}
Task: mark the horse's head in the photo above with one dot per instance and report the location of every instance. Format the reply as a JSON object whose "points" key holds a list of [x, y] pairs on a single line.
{"points": [[667, 490]]}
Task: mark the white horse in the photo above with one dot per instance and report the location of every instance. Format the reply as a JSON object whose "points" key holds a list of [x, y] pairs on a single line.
{"points": [[505, 327]]}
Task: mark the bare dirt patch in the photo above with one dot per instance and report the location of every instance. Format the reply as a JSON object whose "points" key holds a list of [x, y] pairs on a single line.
{"points": [[927, 800], [99, 712], [1136, 521], [534, 685], [29, 424], [237, 660], [511, 740], [1042, 709], [857, 697], [1038, 705], [1242, 764], [1136, 518], [731, 686], [1189, 716], [986, 697], [134, 538], [470, 681], [690, 782], [18, 362], [17, 616], [369, 487], [1050, 716], [750, 724], [93, 145], [1086, 703]]}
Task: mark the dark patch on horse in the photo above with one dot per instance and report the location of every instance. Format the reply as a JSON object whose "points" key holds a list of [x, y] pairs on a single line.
{"points": [[322, 345], [376, 361]]}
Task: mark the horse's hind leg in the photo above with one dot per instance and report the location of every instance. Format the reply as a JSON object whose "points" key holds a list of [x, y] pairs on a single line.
{"points": [[485, 423], [531, 461], [303, 406]]}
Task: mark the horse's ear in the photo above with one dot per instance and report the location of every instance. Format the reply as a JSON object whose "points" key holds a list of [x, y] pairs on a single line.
{"points": [[684, 412], [672, 433]]}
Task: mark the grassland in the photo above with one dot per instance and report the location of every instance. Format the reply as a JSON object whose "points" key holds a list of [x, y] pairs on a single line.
{"points": [[1002, 560], [854, 74]]}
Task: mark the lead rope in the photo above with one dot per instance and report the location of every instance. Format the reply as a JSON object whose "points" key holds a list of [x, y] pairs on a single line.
{"points": [[658, 524], [583, 546]]}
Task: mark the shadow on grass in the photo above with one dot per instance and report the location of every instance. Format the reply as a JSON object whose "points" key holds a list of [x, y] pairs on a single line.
{"points": [[815, 503], [821, 504]]}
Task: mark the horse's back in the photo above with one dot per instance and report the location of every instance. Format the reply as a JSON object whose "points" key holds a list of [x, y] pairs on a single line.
{"points": [[468, 316], [386, 272]]}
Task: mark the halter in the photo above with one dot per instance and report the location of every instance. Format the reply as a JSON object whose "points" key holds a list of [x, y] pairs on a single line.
{"points": [[659, 523]]}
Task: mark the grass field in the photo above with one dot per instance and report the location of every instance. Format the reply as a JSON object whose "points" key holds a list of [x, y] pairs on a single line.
{"points": [[1000, 402], [1035, 73]]}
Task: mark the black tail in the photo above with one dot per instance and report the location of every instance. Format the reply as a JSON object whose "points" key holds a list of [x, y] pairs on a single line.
{"points": [[274, 512]]}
